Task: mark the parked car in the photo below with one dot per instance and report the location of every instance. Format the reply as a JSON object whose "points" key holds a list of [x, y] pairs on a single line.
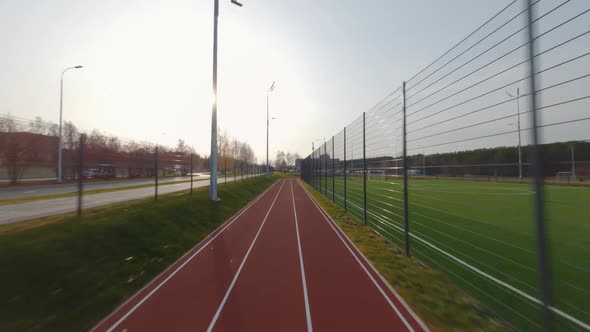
{"points": [[90, 173]]}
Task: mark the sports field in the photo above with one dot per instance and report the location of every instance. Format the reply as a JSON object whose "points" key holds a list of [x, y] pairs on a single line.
{"points": [[483, 235]]}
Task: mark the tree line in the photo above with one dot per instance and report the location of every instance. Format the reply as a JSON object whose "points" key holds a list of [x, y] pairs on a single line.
{"points": [[498, 161], [285, 160], [25, 145]]}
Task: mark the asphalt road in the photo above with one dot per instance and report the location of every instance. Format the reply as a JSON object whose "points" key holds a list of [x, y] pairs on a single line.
{"points": [[53, 189], [42, 208]]}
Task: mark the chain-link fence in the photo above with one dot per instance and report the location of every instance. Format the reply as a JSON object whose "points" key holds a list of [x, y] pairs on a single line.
{"points": [[479, 165]]}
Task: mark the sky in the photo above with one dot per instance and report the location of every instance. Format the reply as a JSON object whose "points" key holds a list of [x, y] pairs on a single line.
{"points": [[148, 63]]}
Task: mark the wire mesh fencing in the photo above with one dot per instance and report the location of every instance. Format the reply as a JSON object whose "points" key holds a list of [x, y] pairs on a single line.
{"points": [[94, 169], [479, 165]]}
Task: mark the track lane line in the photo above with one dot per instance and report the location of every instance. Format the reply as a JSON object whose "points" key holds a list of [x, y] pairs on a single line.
{"points": [[304, 282], [209, 238], [231, 286], [383, 293], [376, 272]]}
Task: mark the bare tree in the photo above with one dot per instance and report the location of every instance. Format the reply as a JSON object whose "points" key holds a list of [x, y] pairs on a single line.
{"points": [[290, 159], [38, 126], [71, 136], [235, 152], [224, 141], [8, 124], [280, 161]]}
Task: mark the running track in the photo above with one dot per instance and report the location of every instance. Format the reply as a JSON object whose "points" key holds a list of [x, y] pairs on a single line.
{"points": [[279, 264]]}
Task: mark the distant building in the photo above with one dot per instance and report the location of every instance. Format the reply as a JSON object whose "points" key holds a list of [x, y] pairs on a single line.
{"points": [[27, 154], [21, 147]]}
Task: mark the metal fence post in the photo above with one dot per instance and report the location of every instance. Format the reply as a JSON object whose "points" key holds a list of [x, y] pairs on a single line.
{"points": [[405, 157], [315, 170], [319, 168], [325, 169], [317, 178], [81, 174], [225, 169], [333, 173], [364, 173], [537, 168], [156, 169], [319, 161], [345, 205], [191, 173], [319, 158]]}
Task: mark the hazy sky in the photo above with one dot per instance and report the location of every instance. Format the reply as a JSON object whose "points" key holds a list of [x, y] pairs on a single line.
{"points": [[148, 63]]}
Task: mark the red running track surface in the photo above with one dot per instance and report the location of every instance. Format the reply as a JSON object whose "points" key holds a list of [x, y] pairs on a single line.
{"points": [[279, 264]]}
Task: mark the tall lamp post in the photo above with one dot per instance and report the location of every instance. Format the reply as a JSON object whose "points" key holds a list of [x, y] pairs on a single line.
{"points": [[61, 97], [272, 87], [518, 124], [213, 164]]}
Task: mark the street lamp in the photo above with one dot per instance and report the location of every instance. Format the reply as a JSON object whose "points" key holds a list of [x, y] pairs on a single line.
{"points": [[272, 87], [61, 97], [213, 164], [518, 124]]}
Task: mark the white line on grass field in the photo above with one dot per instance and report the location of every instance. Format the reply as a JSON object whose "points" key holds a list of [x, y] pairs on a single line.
{"points": [[137, 305], [497, 281], [391, 304], [306, 298], [233, 282], [489, 277]]}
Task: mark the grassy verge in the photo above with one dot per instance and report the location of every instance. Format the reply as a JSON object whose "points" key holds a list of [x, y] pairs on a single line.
{"points": [[32, 183], [441, 304], [67, 275], [87, 192]]}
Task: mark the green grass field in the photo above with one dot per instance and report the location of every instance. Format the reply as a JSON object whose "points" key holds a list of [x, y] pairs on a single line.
{"points": [[459, 226]]}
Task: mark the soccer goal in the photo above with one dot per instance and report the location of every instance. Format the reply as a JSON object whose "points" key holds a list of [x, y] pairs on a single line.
{"points": [[376, 175], [565, 176]]}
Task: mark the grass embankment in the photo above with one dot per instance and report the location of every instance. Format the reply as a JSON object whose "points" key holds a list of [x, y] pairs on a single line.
{"points": [[10, 201], [68, 275], [89, 192], [439, 302], [32, 182]]}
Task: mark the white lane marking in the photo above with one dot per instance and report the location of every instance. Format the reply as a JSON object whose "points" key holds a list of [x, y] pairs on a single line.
{"points": [[385, 282], [391, 304], [307, 311], [137, 305], [233, 282], [499, 282], [29, 192]]}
